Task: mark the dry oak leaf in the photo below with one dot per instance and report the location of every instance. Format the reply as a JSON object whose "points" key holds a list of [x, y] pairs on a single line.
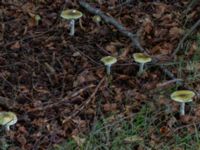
{"points": [[119, 94], [125, 52], [16, 45], [197, 111], [164, 130], [160, 33], [110, 107], [111, 48], [161, 8], [79, 141], [171, 122], [162, 48], [22, 140], [83, 77], [175, 33], [193, 48], [148, 25], [187, 119]]}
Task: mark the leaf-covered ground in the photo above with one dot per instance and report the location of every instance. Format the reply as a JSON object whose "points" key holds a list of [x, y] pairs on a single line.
{"points": [[58, 87]]}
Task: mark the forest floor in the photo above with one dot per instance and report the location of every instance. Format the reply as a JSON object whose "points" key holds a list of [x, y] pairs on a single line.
{"points": [[58, 87]]}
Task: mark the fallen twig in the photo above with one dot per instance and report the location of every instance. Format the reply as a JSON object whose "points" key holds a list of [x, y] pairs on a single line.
{"points": [[111, 20], [185, 36]]}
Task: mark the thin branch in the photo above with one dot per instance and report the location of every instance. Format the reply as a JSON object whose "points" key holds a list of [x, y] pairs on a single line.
{"points": [[169, 82], [111, 20], [185, 36]]}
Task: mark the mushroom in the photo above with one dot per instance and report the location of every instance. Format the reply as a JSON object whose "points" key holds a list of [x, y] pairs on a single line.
{"points": [[72, 15], [8, 119], [108, 62], [182, 96], [37, 19], [142, 59], [96, 19]]}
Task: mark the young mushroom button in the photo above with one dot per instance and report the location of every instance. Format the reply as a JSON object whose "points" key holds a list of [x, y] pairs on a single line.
{"points": [[96, 19], [72, 15], [182, 96], [142, 59], [108, 62], [8, 119]]}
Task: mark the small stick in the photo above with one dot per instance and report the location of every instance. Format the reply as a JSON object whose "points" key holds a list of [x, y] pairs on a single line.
{"points": [[111, 20], [169, 82]]}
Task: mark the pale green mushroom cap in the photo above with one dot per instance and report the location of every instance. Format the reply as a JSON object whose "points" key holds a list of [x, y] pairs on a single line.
{"points": [[71, 14], [8, 118], [109, 60], [141, 58], [37, 18], [96, 18], [182, 96]]}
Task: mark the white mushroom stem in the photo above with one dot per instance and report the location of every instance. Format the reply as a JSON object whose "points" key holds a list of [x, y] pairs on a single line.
{"points": [[182, 109], [141, 69], [7, 128], [72, 27], [98, 24], [108, 69]]}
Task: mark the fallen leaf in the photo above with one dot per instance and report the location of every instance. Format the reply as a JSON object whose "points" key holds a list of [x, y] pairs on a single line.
{"points": [[109, 107], [111, 48], [79, 141], [175, 33], [161, 8], [186, 119], [16, 45], [164, 130], [163, 48], [22, 140], [148, 25], [124, 54]]}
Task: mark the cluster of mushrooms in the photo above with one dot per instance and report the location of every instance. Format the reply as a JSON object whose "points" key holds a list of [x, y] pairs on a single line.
{"points": [[182, 96]]}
